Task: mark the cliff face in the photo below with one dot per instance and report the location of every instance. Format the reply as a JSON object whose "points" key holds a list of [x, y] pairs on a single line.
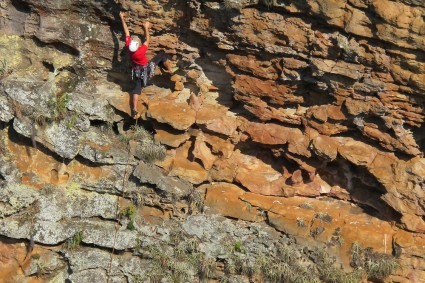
{"points": [[306, 117]]}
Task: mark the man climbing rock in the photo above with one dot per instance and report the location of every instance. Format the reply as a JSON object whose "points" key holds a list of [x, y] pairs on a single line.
{"points": [[142, 69]]}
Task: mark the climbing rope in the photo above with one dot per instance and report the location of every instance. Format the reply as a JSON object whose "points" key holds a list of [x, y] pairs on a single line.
{"points": [[117, 209]]}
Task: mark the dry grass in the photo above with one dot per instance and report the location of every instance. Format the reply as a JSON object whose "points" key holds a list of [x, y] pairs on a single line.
{"points": [[377, 265], [4, 69]]}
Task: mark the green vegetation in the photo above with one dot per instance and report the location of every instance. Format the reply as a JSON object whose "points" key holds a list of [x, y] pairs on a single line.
{"points": [[181, 259], [72, 121], [130, 225], [57, 111], [147, 150], [238, 246], [74, 241], [181, 263], [57, 106], [130, 213], [379, 266]]}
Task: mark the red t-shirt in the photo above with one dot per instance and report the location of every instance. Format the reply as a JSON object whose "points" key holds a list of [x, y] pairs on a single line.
{"points": [[138, 57]]}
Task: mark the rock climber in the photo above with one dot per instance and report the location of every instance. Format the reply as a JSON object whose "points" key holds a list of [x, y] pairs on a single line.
{"points": [[143, 69]]}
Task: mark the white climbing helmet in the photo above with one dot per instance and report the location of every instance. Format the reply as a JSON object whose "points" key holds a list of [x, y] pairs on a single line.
{"points": [[133, 46]]}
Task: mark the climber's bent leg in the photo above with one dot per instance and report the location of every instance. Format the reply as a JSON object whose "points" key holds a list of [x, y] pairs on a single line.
{"points": [[161, 59]]}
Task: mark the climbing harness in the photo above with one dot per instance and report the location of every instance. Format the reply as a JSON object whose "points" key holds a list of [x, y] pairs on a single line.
{"points": [[143, 73]]}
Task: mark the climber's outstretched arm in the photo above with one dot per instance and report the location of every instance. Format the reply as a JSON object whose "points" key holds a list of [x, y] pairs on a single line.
{"points": [[124, 25], [146, 25]]}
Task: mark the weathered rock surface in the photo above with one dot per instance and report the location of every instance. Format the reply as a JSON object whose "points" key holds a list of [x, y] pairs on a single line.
{"points": [[306, 116]]}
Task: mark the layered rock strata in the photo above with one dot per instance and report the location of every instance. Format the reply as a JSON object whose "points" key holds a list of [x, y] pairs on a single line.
{"points": [[282, 113]]}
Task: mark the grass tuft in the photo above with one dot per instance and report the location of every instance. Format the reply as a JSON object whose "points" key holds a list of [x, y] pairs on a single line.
{"points": [[130, 213], [377, 265], [57, 106], [306, 205], [75, 241], [300, 222], [323, 217], [152, 152], [194, 199]]}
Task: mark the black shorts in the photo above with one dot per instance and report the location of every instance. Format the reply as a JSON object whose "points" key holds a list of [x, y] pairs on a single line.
{"points": [[148, 71]]}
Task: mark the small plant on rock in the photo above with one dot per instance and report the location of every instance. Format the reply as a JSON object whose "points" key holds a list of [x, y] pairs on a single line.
{"points": [[317, 231], [300, 222], [377, 265], [194, 199], [206, 268], [57, 106], [337, 238], [124, 139], [323, 217], [130, 213], [152, 152], [306, 205], [72, 121], [238, 247], [286, 253], [74, 241], [141, 134], [327, 267]]}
